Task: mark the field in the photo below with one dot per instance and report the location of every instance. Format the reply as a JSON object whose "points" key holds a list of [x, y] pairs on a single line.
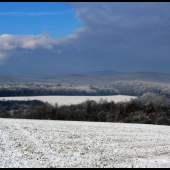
{"points": [[53, 143], [68, 100]]}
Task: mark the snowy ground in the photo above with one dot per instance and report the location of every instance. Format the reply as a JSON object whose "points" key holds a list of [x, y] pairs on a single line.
{"points": [[68, 100], [49, 143]]}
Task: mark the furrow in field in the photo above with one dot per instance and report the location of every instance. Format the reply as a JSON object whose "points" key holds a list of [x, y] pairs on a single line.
{"points": [[11, 154], [47, 143], [35, 150]]}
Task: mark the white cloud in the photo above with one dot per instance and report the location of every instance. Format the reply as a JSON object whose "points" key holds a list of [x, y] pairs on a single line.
{"points": [[34, 13], [31, 42], [10, 42]]}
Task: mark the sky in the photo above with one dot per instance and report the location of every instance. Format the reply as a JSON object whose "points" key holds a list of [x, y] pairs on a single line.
{"points": [[76, 37]]}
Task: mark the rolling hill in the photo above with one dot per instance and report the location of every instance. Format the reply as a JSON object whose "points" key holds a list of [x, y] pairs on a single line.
{"points": [[89, 78]]}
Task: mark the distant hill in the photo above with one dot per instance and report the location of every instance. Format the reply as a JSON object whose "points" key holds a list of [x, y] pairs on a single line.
{"points": [[90, 78], [9, 79], [107, 72], [146, 76], [103, 78]]}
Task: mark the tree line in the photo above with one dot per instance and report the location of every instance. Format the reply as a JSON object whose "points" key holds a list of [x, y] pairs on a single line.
{"points": [[138, 88], [132, 88], [40, 89], [149, 108]]}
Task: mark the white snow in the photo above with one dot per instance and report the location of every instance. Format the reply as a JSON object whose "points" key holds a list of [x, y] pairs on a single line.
{"points": [[51, 143], [68, 100]]}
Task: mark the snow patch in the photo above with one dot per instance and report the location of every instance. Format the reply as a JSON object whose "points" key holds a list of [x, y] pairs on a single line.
{"points": [[69, 100]]}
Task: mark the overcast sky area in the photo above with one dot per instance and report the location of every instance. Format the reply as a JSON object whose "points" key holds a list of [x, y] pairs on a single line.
{"points": [[80, 37]]}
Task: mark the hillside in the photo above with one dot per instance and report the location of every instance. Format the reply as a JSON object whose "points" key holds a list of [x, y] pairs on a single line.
{"points": [[88, 78], [104, 78]]}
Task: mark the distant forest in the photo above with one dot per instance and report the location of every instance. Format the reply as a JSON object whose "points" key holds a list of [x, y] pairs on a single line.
{"points": [[132, 88], [152, 105], [40, 89]]}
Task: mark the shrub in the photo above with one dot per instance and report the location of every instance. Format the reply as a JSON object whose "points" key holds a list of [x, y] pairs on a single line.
{"points": [[136, 120], [163, 121], [150, 108], [149, 121], [128, 120]]}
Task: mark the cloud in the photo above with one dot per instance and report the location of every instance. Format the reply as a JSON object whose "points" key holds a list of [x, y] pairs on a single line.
{"points": [[123, 18], [116, 36], [125, 26], [10, 42], [2, 58], [120, 14], [31, 42], [59, 51], [34, 13]]}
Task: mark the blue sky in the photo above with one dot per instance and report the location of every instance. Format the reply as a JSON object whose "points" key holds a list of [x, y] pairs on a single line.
{"points": [[34, 18], [46, 38]]}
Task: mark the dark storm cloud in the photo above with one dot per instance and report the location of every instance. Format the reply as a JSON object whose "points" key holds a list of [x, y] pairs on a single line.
{"points": [[125, 25], [132, 33], [117, 36]]}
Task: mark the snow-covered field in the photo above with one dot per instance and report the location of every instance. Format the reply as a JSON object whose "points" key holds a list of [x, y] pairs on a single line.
{"points": [[68, 100], [52, 143]]}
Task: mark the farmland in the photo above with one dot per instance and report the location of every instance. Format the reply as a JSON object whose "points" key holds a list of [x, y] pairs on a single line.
{"points": [[49, 143]]}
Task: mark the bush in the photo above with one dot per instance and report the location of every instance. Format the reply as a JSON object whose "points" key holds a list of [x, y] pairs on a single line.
{"points": [[149, 121], [128, 120], [163, 121], [136, 120]]}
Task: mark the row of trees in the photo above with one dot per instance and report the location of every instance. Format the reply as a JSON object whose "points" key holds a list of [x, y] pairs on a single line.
{"points": [[146, 109], [16, 108], [138, 88], [133, 88], [38, 89]]}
